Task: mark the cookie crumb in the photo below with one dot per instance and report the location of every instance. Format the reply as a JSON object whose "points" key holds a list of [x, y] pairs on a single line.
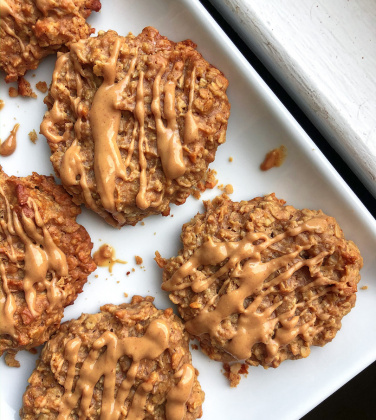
{"points": [[230, 159], [194, 347], [1, 104], [196, 194], [229, 189], [33, 136], [10, 359], [13, 92], [364, 287], [125, 294], [232, 372], [24, 88], [42, 87], [138, 259]]}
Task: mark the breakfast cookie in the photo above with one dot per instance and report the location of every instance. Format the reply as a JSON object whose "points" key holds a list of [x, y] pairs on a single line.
{"points": [[134, 122], [262, 281], [32, 29], [44, 260], [128, 361]]}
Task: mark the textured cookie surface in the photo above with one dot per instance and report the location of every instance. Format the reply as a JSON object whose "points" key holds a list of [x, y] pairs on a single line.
{"points": [[128, 361], [33, 29], [133, 123], [44, 259], [261, 281]]}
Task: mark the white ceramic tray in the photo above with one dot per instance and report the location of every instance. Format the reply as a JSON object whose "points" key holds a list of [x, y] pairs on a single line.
{"points": [[323, 54], [257, 124]]}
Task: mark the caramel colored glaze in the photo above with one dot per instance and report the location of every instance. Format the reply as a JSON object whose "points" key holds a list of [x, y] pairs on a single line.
{"points": [[274, 158], [178, 395], [105, 257], [103, 363], [41, 255], [253, 326], [9, 145]]}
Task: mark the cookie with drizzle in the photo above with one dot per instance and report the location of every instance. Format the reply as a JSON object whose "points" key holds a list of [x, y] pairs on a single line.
{"points": [[134, 122], [260, 281], [129, 361], [32, 29], [44, 260]]}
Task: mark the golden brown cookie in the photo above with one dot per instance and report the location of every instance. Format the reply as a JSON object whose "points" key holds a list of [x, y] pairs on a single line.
{"points": [[134, 122], [32, 29], [44, 260], [262, 281], [128, 361]]}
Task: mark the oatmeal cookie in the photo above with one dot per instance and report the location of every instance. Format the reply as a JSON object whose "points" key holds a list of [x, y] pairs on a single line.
{"points": [[262, 281], [32, 29], [134, 122], [44, 260], [128, 361]]}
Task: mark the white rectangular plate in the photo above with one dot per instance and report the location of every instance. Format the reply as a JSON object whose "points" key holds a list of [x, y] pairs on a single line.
{"points": [[322, 52], [257, 124]]}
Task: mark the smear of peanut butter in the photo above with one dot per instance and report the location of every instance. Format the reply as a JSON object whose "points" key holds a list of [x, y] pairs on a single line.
{"points": [[274, 158], [8, 146], [253, 326]]}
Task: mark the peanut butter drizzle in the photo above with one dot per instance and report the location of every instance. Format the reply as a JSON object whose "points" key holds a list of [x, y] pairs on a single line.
{"points": [[45, 6], [168, 140], [41, 255], [253, 326], [190, 125], [55, 115], [141, 200], [178, 395], [105, 257], [9, 145], [7, 301], [5, 9], [98, 364], [105, 121], [7, 305]]}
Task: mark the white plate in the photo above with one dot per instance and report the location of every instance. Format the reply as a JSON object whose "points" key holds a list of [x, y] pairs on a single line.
{"points": [[328, 69], [258, 123]]}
